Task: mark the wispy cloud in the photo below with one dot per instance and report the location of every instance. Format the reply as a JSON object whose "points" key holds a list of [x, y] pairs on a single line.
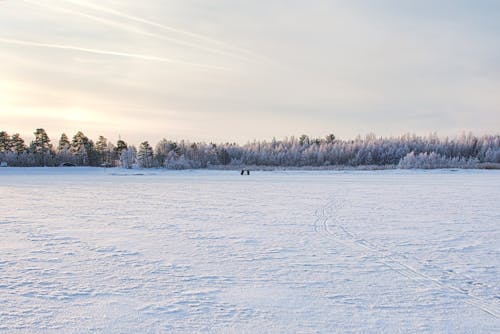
{"points": [[108, 53], [133, 29], [167, 28]]}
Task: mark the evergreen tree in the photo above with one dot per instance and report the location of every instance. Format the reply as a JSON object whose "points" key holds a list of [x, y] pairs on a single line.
{"points": [[160, 152], [41, 147], [145, 155], [330, 138], [172, 146], [64, 143], [101, 144], [17, 144], [120, 146], [5, 142], [213, 159], [304, 140], [102, 151], [64, 154], [82, 148], [224, 157]]}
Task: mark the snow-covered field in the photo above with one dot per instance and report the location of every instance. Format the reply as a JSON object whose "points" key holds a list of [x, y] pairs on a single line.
{"points": [[145, 251]]}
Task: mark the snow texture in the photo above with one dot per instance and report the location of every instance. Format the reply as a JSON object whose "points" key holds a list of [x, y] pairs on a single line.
{"points": [[131, 251]]}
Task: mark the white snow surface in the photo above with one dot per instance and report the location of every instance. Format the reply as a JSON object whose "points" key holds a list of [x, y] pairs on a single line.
{"points": [[88, 250]]}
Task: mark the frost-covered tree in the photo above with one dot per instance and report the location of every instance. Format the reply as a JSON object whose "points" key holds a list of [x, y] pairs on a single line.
{"points": [[112, 155], [128, 157], [304, 140], [330, 138], [120, 146], [435, 160], [224, 157], [178, 162], [492, 155], [406, 151]]}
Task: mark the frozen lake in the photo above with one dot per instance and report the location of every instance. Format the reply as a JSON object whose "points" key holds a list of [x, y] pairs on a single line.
{"points": [[115, 251]]}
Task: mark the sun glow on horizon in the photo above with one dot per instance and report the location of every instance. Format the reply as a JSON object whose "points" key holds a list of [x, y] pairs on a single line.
{"points": [[76, 114]]}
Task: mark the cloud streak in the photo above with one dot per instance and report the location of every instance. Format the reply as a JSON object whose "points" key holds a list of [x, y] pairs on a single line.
{"points": [[108, 53], [164, 27], [136, 30]]}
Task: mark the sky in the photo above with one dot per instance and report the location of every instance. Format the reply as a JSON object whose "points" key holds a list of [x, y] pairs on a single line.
{"points": [[239, 70]]}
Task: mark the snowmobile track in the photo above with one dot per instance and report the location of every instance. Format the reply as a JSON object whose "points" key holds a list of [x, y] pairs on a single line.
{"points": [[330, 226]]}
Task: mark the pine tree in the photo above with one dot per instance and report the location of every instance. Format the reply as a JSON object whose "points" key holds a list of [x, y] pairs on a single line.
{"points": [[41, 146], [82, 147], [17, 144], [304, 140], [102, 151], [64, 143], [224, 157], [330, 138], [5, 142], [145, 155]]}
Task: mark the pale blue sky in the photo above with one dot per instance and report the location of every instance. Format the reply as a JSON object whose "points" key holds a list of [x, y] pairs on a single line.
{"points": [[238, 70]]}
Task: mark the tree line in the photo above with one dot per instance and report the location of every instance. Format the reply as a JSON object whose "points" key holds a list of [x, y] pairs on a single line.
{"points": [[406, 151]]}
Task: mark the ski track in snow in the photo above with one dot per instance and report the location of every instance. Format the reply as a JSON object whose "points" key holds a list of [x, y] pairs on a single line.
{"points": [[327, 224]]}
